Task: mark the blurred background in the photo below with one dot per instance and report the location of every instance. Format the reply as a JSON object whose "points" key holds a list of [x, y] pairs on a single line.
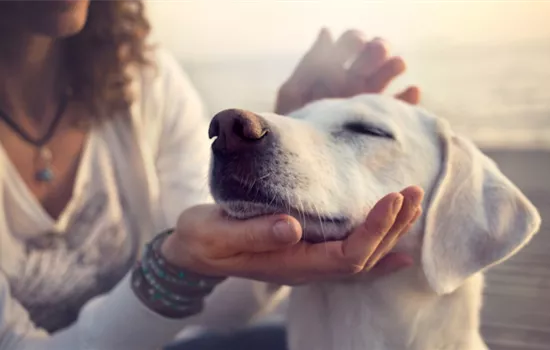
{"points": [[484, 65]]}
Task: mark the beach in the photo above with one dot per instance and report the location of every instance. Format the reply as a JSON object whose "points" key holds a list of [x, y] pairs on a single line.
{"points": [[516, 312]]}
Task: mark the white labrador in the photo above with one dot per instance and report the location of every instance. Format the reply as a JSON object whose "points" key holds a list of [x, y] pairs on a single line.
{"points": [[327, 166]]}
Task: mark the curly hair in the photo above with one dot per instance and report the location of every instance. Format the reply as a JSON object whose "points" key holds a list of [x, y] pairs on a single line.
{"points": [[98, 57]]}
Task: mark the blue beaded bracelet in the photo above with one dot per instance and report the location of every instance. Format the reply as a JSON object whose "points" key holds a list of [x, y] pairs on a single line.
{"points": [[167, 289]]}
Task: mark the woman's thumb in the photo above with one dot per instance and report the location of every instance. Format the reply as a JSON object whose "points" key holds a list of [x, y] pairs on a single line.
{"points": [[264, 234]]}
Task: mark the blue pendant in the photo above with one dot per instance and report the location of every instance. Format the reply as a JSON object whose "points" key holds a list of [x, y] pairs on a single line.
{"points": [[44, 175]]}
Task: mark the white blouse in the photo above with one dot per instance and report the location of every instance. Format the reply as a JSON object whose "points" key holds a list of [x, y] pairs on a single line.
{"points": [[136, 175]]}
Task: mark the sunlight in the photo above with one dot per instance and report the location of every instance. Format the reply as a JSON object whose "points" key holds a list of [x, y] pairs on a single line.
{"points": [[250, 27]]}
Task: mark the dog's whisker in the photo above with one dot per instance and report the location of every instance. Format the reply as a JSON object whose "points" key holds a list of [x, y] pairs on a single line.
{"points": [[252, 184], [302, 214], [263, 177], [274, 199], [322, 228], [320, 219], [288, 208], [246, 184]]}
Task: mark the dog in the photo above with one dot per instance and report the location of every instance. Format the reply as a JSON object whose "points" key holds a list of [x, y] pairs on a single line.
{"points": [[327, 164]]}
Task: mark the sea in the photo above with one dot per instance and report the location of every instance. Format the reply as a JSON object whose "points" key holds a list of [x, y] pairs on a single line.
{"points": [[499, 96]]}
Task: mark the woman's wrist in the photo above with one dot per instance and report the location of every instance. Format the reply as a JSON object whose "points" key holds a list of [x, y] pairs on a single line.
{"points": [[167, 289]]}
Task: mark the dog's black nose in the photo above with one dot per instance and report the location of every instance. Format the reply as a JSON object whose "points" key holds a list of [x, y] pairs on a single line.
{"points": [[237, 130]]}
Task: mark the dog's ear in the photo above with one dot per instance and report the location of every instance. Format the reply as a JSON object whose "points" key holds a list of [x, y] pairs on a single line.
{"points": [[476, 216]]}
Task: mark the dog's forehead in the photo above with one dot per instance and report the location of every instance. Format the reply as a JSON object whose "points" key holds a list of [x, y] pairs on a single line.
{"points": [[376, 109]]}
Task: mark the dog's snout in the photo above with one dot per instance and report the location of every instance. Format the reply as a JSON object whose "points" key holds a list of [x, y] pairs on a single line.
{"points": [[237, 130]]}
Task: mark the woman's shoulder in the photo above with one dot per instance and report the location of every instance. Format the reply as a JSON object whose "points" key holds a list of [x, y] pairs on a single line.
{"points": [[164, 83], [164, 95], [164, 69]]}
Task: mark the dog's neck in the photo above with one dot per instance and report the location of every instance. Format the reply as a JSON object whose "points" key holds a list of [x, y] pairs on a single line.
{"points": [[391, 313]]}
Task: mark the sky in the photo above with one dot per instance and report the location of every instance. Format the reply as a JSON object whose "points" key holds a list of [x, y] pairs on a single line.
{"points": [[203, 28]]}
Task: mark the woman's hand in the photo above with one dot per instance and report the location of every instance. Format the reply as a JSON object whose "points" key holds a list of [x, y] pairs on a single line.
{"points": [[346, 67], [270, 248]]}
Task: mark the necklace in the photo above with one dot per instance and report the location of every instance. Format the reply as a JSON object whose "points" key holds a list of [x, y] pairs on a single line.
{"points": [[45, 172]]}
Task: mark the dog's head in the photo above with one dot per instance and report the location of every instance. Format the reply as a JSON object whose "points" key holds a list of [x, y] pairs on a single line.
{"points": [[331, 161]]}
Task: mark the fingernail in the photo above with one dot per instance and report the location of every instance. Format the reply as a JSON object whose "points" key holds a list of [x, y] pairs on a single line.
{"points": [[284, 232], [397, 204]]}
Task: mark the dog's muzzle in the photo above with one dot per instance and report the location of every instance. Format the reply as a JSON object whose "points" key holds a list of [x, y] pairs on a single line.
{"points": [[243, 153]]}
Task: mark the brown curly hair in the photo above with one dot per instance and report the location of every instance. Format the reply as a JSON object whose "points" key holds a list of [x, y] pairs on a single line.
{"points": [[113, 39]]}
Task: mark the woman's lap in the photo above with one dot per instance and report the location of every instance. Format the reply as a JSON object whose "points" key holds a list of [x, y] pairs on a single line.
{"points": [[262, 337]]}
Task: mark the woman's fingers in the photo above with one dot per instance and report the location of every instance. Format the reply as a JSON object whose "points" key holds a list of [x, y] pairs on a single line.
{"points": [[330, 77], [258, 235], [369, 242], [300, 87], [410, 95], [312, 261], [312, 62], [323, 73], [348, 46], [364, 240], [389, 70], [373, 56], [410, 211], [269, 248], [209, 234]]}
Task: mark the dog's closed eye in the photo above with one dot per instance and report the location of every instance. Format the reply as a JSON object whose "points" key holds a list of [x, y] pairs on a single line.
{"points": [[367, 129]]}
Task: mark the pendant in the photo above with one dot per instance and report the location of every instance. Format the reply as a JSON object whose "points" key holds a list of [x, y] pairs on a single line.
{"points": [[45, 174]]}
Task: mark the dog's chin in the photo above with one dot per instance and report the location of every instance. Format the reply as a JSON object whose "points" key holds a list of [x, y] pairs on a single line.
{"points": [[316, 227]]}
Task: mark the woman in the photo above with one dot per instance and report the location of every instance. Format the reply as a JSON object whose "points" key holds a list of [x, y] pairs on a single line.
{"points": [[103, 145]]}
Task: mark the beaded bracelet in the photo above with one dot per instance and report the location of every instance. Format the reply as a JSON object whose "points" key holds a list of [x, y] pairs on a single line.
{"points": [[167, 289], [175, 274]]}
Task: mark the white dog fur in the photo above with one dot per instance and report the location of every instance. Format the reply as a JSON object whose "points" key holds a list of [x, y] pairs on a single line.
{"points": [[474, 218]]}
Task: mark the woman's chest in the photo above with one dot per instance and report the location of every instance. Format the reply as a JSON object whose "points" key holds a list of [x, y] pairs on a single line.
{"points": [[55, 265], [48, 172]]}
